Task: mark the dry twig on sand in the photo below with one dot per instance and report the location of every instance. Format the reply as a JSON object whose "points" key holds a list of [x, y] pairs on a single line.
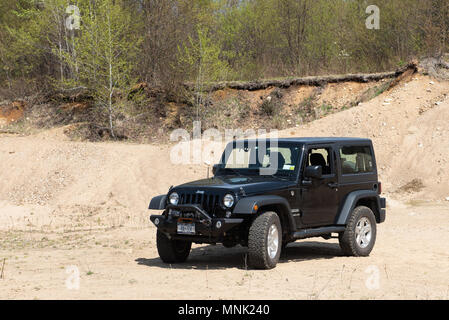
{"points": [[3, 268]]}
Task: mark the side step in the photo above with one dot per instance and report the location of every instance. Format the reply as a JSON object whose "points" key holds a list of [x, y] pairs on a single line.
{"points": [[317, 232]]}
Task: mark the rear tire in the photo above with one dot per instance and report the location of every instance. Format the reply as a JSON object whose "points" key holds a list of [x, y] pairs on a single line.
{"points": [[265, 241], [360, 235], [172, 251]]}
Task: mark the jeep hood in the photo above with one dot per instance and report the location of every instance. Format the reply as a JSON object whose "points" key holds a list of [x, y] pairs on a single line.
{"points": [[250, 184]]}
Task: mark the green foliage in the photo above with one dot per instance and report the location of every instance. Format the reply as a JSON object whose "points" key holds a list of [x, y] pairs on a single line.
{"points": [[168, 42], [21, 26], [272, 105], [326, 108], [308, 104], [103, 53], [200, 57], [268, 107], [227, 113], [375, 91]]}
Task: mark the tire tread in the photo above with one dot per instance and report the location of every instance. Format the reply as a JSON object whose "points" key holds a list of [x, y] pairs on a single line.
{"points": [[347, 238], [257, 240], [166, 249]]}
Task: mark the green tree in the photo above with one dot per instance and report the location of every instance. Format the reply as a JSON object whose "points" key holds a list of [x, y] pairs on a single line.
{"points": [[107, 46], [201, 57], [167, 42], [21, 52]]}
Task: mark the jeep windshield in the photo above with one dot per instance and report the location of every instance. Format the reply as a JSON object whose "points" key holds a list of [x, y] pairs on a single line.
{"points": [[264, 158]]}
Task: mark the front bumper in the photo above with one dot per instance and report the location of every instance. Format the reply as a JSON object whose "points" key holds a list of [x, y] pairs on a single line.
{"points": [[205, 226]]}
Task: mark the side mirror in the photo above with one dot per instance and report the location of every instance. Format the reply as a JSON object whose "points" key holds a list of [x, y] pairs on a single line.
{"points": [[215, 169], [315, 172]]}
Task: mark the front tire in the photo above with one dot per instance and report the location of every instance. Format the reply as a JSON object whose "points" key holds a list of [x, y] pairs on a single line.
{"points": [[172, 251], [360, 235], [265, 241]]}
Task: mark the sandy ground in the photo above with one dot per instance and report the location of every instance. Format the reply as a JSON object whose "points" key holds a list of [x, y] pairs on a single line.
{"points": [[410, 261], [69, 208]]}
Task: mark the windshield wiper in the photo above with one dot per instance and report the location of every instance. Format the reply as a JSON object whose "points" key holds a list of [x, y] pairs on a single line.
{"points": [[278, 177]]}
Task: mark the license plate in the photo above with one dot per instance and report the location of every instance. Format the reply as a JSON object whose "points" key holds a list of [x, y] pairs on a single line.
{"points": [[186, 228]]}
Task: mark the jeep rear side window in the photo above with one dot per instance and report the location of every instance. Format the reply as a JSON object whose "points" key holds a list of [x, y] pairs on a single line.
{"points": [[356, 159]]}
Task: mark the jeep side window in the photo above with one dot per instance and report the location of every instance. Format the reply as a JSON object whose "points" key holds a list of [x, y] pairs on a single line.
{"points": [[320, 157], [356, 159]]}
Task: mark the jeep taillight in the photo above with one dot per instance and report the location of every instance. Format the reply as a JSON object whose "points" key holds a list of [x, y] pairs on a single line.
{"points": [[379, 188]]}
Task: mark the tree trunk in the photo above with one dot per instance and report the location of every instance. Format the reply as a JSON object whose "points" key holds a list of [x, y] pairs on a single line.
{"points": [[111, 88], [111, 91], [311, 81]]}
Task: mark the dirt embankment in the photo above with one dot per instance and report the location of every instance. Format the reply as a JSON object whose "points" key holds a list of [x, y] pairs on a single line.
{"points": [[11, 112], [149, 114]]}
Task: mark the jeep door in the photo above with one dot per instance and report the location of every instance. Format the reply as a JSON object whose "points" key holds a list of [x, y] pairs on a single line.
{"points": [[357, 168], [319, 197]]}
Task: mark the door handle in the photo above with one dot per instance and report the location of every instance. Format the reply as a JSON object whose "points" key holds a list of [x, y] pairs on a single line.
{"points": [[332, 185], [307, 183]]}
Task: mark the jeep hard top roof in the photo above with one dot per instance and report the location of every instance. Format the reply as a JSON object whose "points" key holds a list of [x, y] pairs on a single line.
{"points": [[313, 140]]}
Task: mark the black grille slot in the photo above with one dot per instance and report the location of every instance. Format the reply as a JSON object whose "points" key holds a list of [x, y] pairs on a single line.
{"points": [[207, 201]]}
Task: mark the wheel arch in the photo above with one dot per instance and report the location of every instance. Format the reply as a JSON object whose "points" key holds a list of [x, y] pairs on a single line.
{"points": [[158, 202], [258, 204], [283, 214], [368, 198], [372, 203]]}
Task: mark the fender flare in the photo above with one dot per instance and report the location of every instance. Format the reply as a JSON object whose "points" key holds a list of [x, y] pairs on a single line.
{"points": [[158, 203], [246, 206], [351, 201]]}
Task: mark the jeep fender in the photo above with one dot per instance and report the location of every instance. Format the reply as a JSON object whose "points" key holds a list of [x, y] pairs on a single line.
{"points": [[246, 206], [158, 203], [351, 201]]}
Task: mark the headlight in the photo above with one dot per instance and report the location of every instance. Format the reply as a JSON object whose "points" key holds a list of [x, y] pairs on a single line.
{"points": [[174, 198], [228, 200]]}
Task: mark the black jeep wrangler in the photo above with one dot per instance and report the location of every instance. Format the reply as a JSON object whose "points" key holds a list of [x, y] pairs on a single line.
{"points": [[267, 193]]}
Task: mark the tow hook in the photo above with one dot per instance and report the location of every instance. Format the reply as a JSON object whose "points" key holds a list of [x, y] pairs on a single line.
{"points": [[206, 222]]}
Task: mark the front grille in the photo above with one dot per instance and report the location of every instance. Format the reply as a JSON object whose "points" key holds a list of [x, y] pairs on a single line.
{"points": [[209, 202]]}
